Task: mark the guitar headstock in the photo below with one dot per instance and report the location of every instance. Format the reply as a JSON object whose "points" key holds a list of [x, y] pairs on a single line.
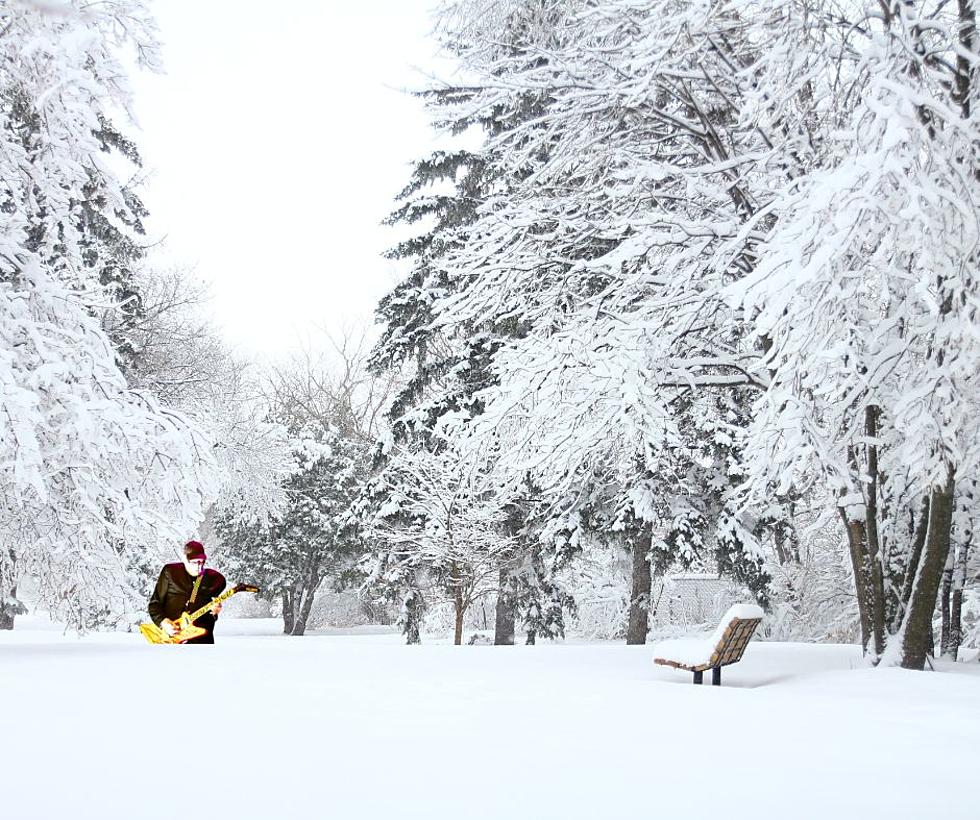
{"points": [[246, 588]]}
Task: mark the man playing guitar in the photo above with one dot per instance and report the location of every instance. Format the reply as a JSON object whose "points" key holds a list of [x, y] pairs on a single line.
{"points": [[185, 587]]}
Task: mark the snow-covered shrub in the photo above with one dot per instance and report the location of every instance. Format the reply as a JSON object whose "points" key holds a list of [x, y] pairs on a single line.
{"points": [[247, 606], [440, 618], [346, 609], [812, 593]]}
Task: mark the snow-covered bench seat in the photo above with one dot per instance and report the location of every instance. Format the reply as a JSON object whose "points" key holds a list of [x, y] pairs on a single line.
{"points": [[726, 645]]}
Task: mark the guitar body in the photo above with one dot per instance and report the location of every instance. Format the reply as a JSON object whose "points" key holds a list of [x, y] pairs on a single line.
{"points": [[186, 630]]}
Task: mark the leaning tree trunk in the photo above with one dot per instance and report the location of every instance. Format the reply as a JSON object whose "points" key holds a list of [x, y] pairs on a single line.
{"points": [[306, 598], [639, 614], [912, 568], [856, 548], [917, 626], [503, 633]]}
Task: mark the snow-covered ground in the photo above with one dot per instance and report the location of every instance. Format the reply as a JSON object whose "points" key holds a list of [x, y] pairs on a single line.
{"points": [[356, 725]]}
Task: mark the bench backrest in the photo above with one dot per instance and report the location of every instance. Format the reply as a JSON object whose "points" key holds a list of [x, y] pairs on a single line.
{"points": [[732, 645]]}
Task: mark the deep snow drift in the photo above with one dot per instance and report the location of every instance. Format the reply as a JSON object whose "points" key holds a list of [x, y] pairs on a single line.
{"points": [[360, 726]]}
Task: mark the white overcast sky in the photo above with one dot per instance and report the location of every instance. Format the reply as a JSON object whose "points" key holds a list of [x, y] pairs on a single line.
{"points": [[276, 142]]}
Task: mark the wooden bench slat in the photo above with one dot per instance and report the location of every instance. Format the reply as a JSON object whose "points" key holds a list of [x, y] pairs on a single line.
{"points": [[727, 651]]}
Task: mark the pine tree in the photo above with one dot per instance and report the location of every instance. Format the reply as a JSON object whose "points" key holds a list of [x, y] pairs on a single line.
{"points": [[307, 541], [452, 367]]}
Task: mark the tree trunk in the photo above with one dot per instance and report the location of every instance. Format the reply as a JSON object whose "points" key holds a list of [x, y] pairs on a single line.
{"points": [[301, 603], [875, 571], [955, 624], [855, 544], [782, 541], [412, 612], [460, 609], [9, 605], [531, 638], [307, 597], [639, 625], [288, 613], [8, 611], [917, 626], [944, 600], [863, 543], [918, 543], [963, 534], [503, 633], [956, 602], [310, 588]]}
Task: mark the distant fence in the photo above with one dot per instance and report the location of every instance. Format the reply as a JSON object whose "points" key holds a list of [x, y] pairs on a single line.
{"points": [[691, 600]]}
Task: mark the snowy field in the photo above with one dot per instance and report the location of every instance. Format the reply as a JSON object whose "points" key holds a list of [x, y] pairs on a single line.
{"points": [[359, 726]]}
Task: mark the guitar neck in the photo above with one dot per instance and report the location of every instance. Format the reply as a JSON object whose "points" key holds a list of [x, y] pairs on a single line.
{"points": [[204, 610]]}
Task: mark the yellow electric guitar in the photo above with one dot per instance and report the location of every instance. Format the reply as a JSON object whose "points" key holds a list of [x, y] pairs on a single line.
{"points": [[186, 630]]}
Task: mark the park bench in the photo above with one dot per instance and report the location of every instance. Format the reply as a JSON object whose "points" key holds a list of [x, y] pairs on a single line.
{"points": [[725, 646]]}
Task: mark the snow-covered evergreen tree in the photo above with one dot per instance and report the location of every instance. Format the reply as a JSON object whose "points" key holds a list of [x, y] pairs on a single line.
{"points": [[445, 370], [327, 407], [94, 472], [307, 540]]}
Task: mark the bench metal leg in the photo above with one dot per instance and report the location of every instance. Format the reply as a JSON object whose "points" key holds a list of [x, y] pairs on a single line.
{"points": [[699, 677], [716, 676]]}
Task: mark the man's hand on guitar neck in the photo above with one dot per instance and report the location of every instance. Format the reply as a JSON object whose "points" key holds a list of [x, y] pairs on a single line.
{"points": [[216, 610]]}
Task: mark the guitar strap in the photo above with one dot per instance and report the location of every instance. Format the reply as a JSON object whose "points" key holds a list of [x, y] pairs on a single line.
{"points": [[197, 586]]}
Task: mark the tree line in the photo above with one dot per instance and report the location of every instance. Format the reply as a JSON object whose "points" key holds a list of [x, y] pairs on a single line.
{"points": [[697, 290], [712, 264]]}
